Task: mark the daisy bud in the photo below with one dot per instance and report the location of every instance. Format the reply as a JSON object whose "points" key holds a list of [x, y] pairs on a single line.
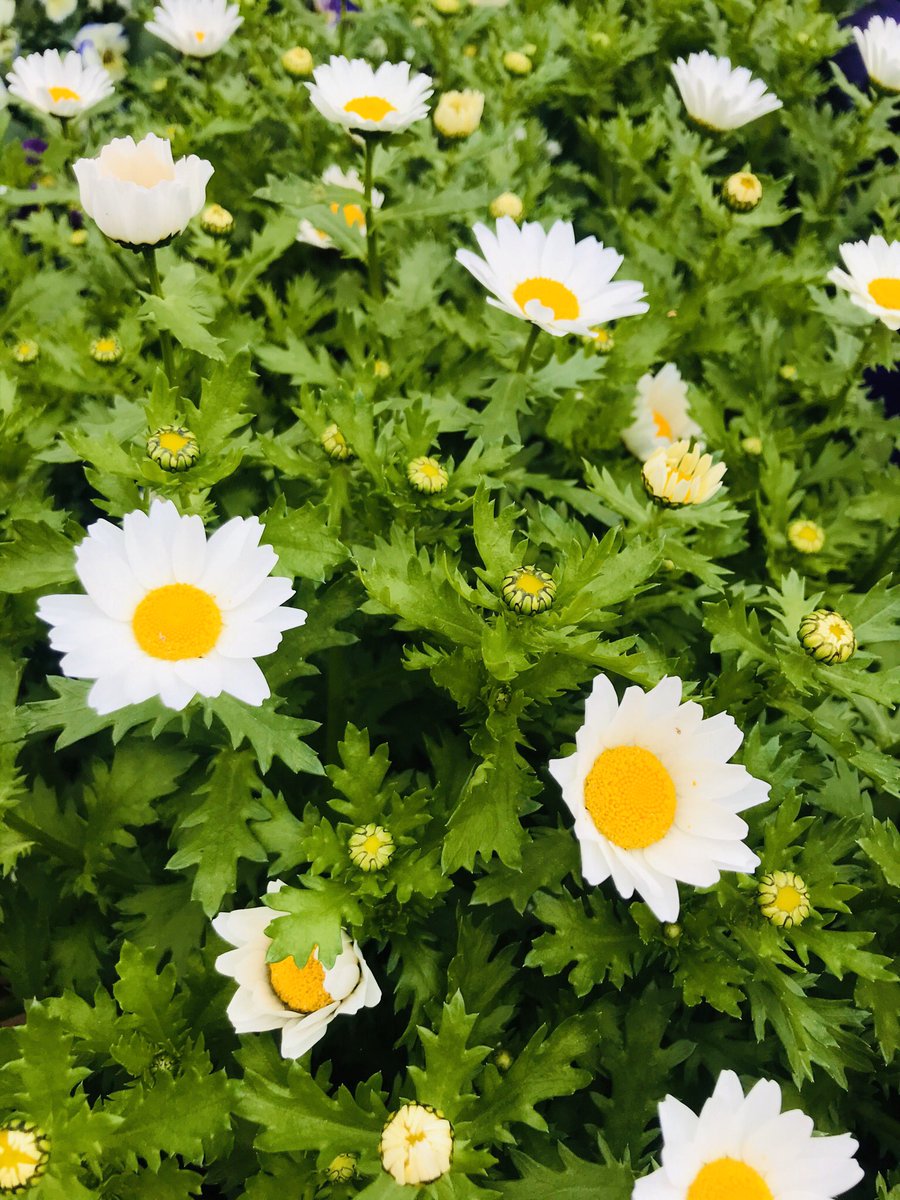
{"points": [[334, 443], [24, 1151], [602, 341], [679, 474], [342, 1168], [371, 847], [381, 369], [503, 1060], [106, 350], [427, 475], [458, 114], [217, 220], [742, 191], [783, 899], [446, 7], [806, 536], [416, 1145], [470, 50], [528, 590], [507, 204], [752, 446], [827, 637], [26, 351], [162, 1063], [788, 371], [173, 448], [672, 932], [517, 63], [297, 61], [78, 237]]}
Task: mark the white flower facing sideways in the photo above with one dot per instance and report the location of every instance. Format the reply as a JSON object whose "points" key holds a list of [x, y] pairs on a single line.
{"points": [[654, 796], [661, 413], [354, 214], [879, 45], [548, 278], [169, 613], [105, 45], [62, 85], [719, 96], [300, 1001], [745, 1148], [197, 28], [873, 281], [350, 92], [137, 194]]}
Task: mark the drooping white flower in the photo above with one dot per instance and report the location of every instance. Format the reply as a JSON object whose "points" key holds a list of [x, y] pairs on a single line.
{"points": [[653, 794], [416, 1145], [354, 214], [300, 1001], [169, 613], [137, 194], [62, 85], [745, 1148], [103, 44], [548, 278], [351, 93], [879, 45], [720, 96], [661, 413], [195, 27], [873, 281]]}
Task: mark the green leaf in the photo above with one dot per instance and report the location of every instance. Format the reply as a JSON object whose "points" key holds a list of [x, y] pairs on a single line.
{"points": [[305, 545], [186, 307], [450, 1063], [37, 557], [578, 1180], [318, 911], [269, 733], [586, 932]]}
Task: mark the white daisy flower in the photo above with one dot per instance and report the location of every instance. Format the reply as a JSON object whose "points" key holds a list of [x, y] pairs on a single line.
{"points": [[354, 214], [653, 794], [137, 194], [558, 284], [745, 1146], [170, 614], [300, 1001], [879, 45], [660, 413], [719, 96], [874, 278], [195, 27], [105, 45], [63, 86], [349, 92]]}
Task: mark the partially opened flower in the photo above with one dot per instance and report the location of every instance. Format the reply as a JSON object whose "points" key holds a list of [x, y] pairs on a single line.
{"points": [[416, 1145], [351, 93], [195, 27], [879, 45], [354, 214], [873, 281], [661, 413], [719, 96], [62, 85], [103, 44], [169, 613], [745, 1148], [681, 474], [548, 278], [300, 1001], [137, 194], [653, 794]]}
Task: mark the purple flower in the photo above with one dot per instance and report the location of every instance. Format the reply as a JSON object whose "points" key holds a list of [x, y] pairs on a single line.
{"points": [[335, 9], [34, 148]]}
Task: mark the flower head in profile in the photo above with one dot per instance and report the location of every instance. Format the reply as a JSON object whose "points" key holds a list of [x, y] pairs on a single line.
{"points": [[681, 474], [137, 194], [300, 1001], [561, 285], [661, 414], [197, 28], [105, 45], [353, 213], [872, 278], [416, 1145], [458, 114], [352, 93], [654, 796], [745, 1148], [170, 613], [719, 96], [61, 85], [879, 46]]}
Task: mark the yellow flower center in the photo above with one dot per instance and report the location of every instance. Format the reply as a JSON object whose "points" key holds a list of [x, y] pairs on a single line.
{"points": [[353, 214], [372, 844], [550, 293], [172, 441], [630, 797], [14, 1158], [787, 898], [62, 93], [529, 584], [885, 292], [663, 428], [731, 1178], [301, 989], [177, 621], [413, 1139], [105, 346], [370, 108], [836, 630], [200, 35]]}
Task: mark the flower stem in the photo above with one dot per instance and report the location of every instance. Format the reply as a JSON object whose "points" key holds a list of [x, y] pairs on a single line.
{"points": [[527, 349], [165, 339], [371, 243]]}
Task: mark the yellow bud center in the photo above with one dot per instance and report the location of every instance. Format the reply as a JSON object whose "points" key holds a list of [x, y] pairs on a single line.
{"points": [[529, 584], [301, 989], [200, 35], [370, 108], [886, 292], [787, 898], [177, 621], [13, 1157], [731, 1178], [630, 797], [173, 442], [372, 844], [62, 93], [550, 293]]}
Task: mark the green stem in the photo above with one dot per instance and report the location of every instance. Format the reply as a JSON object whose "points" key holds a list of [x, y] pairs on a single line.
{"points": [[165, 339], [65, 124], [371, 243], [527, 350]]}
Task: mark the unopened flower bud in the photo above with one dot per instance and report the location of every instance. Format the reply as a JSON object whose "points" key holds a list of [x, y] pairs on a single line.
{"points": [[427, 475], [173, 448], [827, 637], [742, 191], [334, 443], [217, 220], [517, 63], [528, 590], [297, 61]]}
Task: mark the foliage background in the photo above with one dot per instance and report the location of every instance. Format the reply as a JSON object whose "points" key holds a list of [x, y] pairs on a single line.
{"points": [[412, 697]]}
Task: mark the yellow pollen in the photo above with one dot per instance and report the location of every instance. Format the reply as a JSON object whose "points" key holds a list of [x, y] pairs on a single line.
{"points": [[885, 292], [171, 441], [787, 898], [301, 989], [630, 797], [372, 844], [370, 108], [62, 93], [12, 1158], [529, 584], [728, 1178], [663, 428], [177, 621], [413, 1139], [200, 35], [550, 293]]}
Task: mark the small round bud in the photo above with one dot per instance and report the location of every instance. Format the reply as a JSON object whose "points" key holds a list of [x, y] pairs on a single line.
{"points": [[601, 39], [342, 1168], [446, 7], [381, 369], [469, 50], [106, 350], [507, 204], [503, 1060], [297, 61], [788, 371], [673, 312], [26, 351], [427, 475], [162, 1063], [47, 181], [742, 191], [458, 114], [783, 899], [173, 448], [159, 85], [217, 220], [528, 590], [672, 932], [827, 637], [752, 446], [517, 63], [335, 444], [371, 847], [78, 237], [806, 536], [602, 341], [24, 1153]]}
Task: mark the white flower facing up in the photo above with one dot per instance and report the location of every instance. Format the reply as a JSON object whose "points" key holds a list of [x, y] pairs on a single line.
{"points": [[195, 27], [137, 194], [62, 85], [719, 96], [746, 1148], [873, 281], [300, 1001], [660, 413], [354, 214], [416, 1145], [104, 45], [879, 45], [653, 794], [169, 613], [351, 93], [548, 278]]}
